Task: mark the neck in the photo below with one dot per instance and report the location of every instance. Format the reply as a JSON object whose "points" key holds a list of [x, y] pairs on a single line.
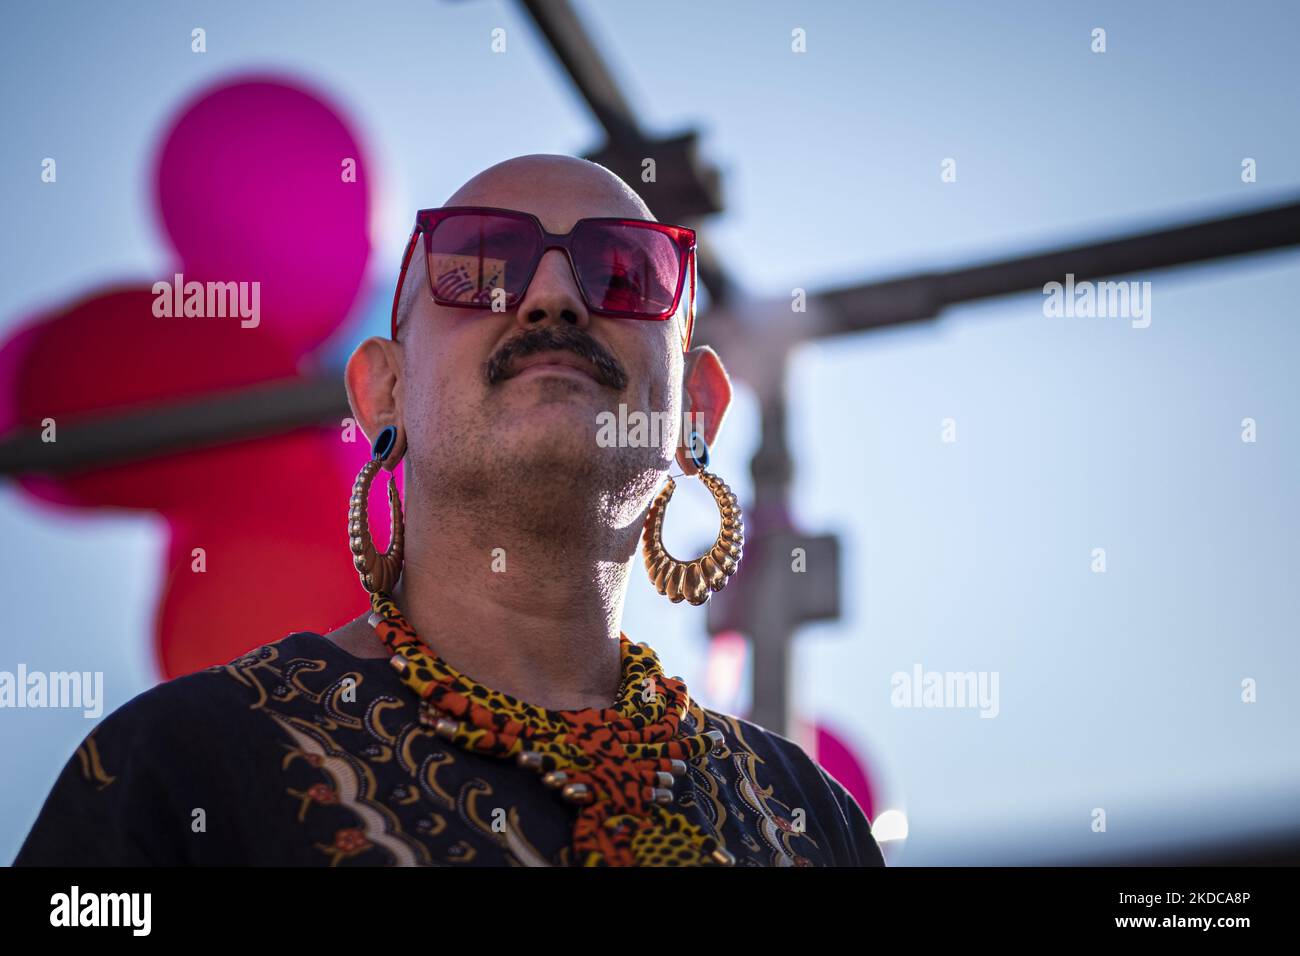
{"points": [[530, 608]]}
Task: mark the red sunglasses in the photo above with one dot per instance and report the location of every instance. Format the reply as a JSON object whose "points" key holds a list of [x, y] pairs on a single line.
{"points": [[478, 257]]}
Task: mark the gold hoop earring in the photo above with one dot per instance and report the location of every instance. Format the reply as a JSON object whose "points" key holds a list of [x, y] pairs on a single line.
{"points": [[379, 572], [694, 581]]}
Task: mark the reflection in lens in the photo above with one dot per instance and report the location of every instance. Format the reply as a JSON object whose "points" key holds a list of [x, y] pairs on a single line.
{"points": [[472, 255], [625, 268]]}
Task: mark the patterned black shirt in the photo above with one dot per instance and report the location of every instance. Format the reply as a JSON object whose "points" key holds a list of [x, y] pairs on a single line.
{"points": [[301, 754]]}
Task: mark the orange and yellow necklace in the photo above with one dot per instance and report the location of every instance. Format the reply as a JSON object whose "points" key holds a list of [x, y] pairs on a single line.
{"points": [[618, 764]]}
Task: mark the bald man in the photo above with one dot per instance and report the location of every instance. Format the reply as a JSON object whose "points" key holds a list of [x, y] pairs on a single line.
{"points": [[554, 300]]}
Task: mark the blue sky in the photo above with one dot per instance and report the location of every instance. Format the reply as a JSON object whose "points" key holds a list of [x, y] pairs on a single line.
{"points": [[1118, 690]]}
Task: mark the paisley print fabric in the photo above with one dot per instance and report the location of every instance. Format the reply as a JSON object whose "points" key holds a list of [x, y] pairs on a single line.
{"points": [[300, 754]]}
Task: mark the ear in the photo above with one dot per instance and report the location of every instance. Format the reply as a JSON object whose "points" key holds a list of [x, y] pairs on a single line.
{"points": [[373, 376], [706, 397]]}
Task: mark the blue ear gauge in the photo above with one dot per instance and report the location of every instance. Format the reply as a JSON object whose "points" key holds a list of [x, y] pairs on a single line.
{"points": [[696, 441], [384, 443]]}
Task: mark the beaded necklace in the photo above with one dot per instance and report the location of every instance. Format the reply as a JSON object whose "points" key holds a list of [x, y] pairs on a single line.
{"points": [[617, 764]]}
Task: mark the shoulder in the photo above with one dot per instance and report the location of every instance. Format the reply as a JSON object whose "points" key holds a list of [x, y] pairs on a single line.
{"points": [[783, 757], [181, 723], [207, 699], [741, 735], [795, 776], [127, 793], [750, 735]]}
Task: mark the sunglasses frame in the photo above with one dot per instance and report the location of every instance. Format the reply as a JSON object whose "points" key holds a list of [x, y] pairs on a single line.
{"points": [[426, 220]]}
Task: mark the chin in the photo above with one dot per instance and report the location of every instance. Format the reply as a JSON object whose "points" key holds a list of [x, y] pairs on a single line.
{"points": [[551, 434], [555, 407]]}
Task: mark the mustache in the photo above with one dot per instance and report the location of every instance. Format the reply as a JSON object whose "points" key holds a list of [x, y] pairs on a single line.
{"points": [[564, 338]]}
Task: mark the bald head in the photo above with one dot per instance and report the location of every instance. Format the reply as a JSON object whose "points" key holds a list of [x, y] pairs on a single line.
{"points": [[570, 180], [557, 189]]}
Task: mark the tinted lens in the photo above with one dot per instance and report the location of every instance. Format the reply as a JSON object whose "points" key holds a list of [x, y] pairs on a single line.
{"points": [[626, 268], [473, 254]]}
